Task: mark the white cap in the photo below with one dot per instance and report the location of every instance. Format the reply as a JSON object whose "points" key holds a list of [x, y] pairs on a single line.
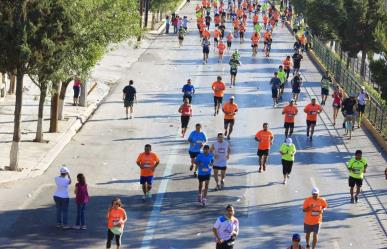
{"points": [[362, 88], [232, 97], [315, 191], [64, 170], [288, 141]]}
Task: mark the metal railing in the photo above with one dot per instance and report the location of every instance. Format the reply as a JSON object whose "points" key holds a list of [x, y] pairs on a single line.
{"points": [[374, 112]]}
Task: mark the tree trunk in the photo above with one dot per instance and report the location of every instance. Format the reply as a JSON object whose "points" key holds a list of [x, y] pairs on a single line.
{"points": [[363, 64], [146, 13], [54, 109], [14, 154], [141, 7], [348, 62], [62, 97], [83, 97], [12, 84], [39, 126], [153, 22]]}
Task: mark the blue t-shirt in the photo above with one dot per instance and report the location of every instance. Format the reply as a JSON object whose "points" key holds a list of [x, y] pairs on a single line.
{"points": [[275, 83], [188, 89], [204, 162], [197, 138]]}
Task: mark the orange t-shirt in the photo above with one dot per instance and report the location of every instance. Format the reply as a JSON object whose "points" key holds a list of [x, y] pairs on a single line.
{"points": [[200, 20], [267, 36], [255, 18], [244, 5], [218, 88], [265, 19], [312, 111], [206, 34], [217, 33], [264, 138], [303, 40], [314, 216], [148, 162], [255, 39], [289, 112], [236, 23], [240, 12], [230, 37], [221, 47], [287, 64], [217, 19], [230, 110], [115, 215]]}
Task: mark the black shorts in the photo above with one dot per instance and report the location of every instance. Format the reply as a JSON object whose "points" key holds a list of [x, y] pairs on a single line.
{"points": [[233, 71], [311, 228], [216, 40], [193, 154], [287, 167], [335, 105], [218, 100], [189, 97], [254, 45], [296, 90], [204, 178], [324, 91], [225, 245], [128, 103], [274, 92], [219, 167], [242, 34], [296, 66], [76, 91], [263, 152], [184, 121], [181, 38], [361, 108], [354, 181], [206, 50], [229, 121], [288, 125], [310, 123], [282, 86], [228, 44]]}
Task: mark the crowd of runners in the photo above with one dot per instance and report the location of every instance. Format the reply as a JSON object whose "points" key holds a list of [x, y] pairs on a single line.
{"points": [[219, 23]]}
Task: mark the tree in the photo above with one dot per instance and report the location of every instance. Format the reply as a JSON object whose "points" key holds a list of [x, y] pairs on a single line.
{"points": [[378, 67]]}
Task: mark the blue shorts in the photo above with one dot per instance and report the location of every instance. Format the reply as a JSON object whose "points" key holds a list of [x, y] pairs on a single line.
{"points": [[146, 179]]}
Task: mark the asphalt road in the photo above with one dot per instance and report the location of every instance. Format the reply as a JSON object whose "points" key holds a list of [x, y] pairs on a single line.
{"points": [[106, 148]]}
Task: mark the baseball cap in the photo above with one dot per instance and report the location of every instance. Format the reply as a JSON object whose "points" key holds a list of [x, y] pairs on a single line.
{"points": [[232, 97], [64, 170], [288, 141], [291, 101], [315, 190], [296, 237], [362, 88]]}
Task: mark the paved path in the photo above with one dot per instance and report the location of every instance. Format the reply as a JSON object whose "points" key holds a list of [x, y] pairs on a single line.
{"points": [[269, 212]]}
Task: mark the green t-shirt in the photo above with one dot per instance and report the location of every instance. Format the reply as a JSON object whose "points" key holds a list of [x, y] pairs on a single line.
{"points": [[356, 167], [282, 76], [257, 27], [289, 151], [265, 6]]}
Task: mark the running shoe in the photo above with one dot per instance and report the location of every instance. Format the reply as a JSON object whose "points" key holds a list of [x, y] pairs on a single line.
{"points": [[222, 185], [204, 202], [83, 227], [195, 174], [58, 225], [200, 198], [352, 200], [260, 169], [217, 188], [144, 197], [356, 199], [191, 167], [149, 195]]}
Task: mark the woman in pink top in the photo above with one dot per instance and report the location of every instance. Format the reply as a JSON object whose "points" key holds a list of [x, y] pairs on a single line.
{"points": [[81, 198], [77, 90], [337, 99]]}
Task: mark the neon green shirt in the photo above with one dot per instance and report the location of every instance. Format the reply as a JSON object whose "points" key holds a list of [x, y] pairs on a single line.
{"points": [[282, 76], [257, 27], [289, 151], [357, 167]]}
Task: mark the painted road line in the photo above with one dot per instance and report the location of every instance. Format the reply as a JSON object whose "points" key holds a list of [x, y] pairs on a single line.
{"points": [[155, 214]]}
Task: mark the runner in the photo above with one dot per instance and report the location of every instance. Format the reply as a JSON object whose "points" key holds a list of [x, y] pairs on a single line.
{"points": [[282, 76], [289, 111], [313, 207], [181, 36], [218, 87], [255, 18], [357, 166], [186, 113], [221, 48], [287, 63], [129, 96], [267, 43], [348, 108], [206, 50], [311, 110], [362, 99], [265, 139], [221, 150], [208, 20], [275, 83], [236, 24], [226, 229], [197, 139], [188, 90], [296, 87], [229, 109], [230, 37], [254, 42], [147, 161], [287, 151], [216, 37], [297, 57], [265, 21], [337, 100], [296, 242], [326, 82], [203, 163], [116, 218], [242, 31], [234, 63]]}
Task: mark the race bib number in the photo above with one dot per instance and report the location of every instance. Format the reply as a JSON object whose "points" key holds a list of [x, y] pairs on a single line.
{"points": [[315, 213], [290, 115], [312, 113], [146, 165], [205, 169], [221, 150], [199, 141]]}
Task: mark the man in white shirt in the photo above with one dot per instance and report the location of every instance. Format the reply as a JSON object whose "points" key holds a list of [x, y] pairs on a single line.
{"points": [[226, 229]]}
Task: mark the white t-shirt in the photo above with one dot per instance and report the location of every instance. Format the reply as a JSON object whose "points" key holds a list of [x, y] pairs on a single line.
{"points": [[62, 187], [362, 98], [226, 227]]}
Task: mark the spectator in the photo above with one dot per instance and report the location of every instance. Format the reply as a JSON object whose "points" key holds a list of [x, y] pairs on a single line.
{"points": [[81, 199], [61, 197], [77, 90]]}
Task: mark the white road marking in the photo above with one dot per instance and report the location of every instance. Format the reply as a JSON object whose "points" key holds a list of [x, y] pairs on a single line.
{"points": [[313, 182], [154, 216]]}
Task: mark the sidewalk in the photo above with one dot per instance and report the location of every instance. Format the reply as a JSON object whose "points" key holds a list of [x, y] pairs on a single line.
{"points": [[35, 158]]}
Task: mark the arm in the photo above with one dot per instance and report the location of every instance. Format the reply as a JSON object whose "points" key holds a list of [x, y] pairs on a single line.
{"points": [[125, 218], [75, 190], [180, 109], [218, 240], [68, 175]]}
